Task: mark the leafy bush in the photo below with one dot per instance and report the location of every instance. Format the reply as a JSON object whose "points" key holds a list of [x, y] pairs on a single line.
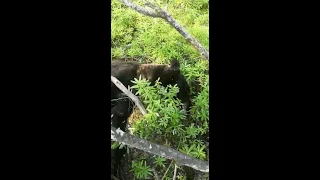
{"points": [[165, 123], [141, 169]]}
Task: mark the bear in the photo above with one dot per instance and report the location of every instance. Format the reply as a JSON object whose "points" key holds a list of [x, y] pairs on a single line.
{"points": [[122, 106], [125, 72], [121, 110]]}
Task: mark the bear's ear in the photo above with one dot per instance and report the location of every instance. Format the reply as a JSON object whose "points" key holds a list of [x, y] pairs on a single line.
{"points": [[175, 64], [173, 69]]}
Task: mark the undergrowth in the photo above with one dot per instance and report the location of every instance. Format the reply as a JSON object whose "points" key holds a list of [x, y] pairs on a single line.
{"points": [[152, 40]]}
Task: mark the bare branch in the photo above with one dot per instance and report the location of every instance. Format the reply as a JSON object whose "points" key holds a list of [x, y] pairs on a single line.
{"points": [[134, 98], [140, 9], [175, 172], [157, 12], [153, 148]]}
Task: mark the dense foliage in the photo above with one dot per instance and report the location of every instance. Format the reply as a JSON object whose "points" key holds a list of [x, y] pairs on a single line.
{"points": [[152, 40]]}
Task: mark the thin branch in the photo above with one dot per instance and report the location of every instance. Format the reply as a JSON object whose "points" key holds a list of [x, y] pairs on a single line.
{"points": [[119, 99], [175, 172], [167, 171], [157, 12], [153, 148], [134, 98]]}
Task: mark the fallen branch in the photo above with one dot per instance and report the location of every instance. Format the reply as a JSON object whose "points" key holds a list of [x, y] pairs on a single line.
{"points": [[153, 148], [157, 12], [134, 98]]}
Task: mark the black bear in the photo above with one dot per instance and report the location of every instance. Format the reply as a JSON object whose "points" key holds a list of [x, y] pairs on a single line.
{"points": [[121, 105], [125, 72]]}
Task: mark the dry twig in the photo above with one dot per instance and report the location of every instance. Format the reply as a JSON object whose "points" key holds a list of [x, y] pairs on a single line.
{"points": [[134, 98]]}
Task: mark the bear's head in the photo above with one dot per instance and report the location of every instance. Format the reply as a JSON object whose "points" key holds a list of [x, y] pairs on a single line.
{"points": [[166, 73]]}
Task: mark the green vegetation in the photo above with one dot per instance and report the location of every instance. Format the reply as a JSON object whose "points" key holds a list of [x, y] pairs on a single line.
{"points": [[152, 40]]}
